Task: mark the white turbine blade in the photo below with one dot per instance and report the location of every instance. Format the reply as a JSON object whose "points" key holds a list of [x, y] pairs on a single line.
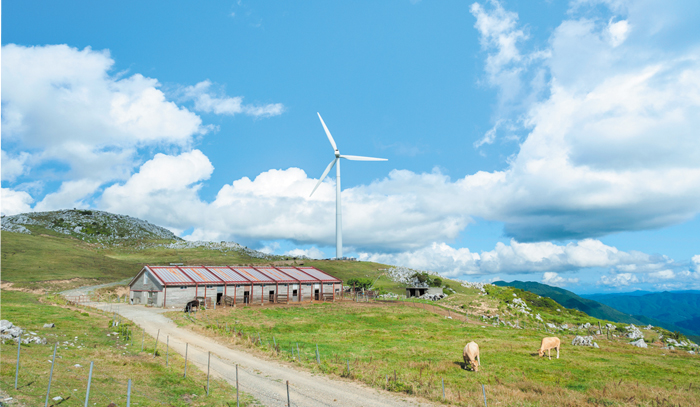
{"points": [[328, 133], [360, 158], [324, 174]]}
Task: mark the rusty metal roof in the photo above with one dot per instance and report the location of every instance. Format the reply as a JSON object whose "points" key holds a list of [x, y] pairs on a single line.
{"points": [[200, 275], [219, 275], [253, 275], [276, 275], [228, 275], [170, 275], [299, 275], [314, 272]]}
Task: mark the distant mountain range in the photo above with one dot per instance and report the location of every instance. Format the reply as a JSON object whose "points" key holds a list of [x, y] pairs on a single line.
{"points": [[680, 308], [680, 314]]}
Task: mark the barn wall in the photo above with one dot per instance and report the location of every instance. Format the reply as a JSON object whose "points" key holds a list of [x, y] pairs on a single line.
{"points": [[178, 297], [152, 283], [307, 292]]}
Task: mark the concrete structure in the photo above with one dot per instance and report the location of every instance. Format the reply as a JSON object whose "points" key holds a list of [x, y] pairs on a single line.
{"points": [[175, 286], [418, 291]]}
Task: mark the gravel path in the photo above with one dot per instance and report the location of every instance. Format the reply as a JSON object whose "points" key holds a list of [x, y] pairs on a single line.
{"points": [[263, 379]]}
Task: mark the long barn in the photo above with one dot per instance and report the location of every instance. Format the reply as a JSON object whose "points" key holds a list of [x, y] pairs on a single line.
{"points": [[175, 286]]}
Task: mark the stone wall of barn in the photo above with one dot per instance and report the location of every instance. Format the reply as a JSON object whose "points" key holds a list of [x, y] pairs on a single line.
{"points": [[179, 296]]}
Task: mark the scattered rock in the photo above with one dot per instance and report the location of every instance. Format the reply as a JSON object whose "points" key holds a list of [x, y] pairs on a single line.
{"points": [[57, 398], [584, 341], [50, 325], [634, 333], [639, 343], [5, 325]]}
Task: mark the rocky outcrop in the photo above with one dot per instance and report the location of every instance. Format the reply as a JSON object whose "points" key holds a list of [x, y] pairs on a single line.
{"points": [[634, 333], [8, 331], [584, 341], [88, 225]]}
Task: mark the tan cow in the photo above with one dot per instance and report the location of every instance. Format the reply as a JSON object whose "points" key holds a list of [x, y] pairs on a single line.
{"points": [[547, 345], [471, 356]]}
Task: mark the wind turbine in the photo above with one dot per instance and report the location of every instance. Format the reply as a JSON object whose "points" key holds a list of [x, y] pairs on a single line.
{"points": [[338, 209]]}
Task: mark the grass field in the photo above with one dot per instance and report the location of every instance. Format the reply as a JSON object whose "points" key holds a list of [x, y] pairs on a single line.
{"points": [[425, 348], [82, 337]]}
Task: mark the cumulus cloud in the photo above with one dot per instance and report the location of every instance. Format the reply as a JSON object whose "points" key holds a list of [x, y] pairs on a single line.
{"points": [[523, 258], [65, 104], [554, 279], [313, 253], [618, 280], [13, 166], [611, 143], [208, 101], [14, 202]]}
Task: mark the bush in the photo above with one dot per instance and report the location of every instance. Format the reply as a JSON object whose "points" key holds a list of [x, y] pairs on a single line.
{"points": [[360, 283]]}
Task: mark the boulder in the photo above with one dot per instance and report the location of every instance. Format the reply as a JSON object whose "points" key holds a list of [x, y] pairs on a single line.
{"points": [[639, 343], [5, 325]]}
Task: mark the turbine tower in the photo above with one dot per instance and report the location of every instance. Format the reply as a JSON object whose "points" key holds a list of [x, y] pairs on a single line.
{"points": [[338, 209]]}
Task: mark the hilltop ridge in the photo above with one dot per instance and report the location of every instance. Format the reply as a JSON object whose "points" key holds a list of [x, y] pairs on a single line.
{"points": [[87, 224]]}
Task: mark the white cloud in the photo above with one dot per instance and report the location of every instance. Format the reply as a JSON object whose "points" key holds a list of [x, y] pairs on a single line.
{"points": [[662, 275], [522, 258], [14, 202], [13, 167], [205, 100], [618, 32], [71, 194], [313, 253], [696, 262], [65, 104], [554, 279], [618, 280]]}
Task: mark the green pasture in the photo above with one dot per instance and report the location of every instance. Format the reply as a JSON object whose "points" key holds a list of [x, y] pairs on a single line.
{"points": [[425, 348], [116, 361]]}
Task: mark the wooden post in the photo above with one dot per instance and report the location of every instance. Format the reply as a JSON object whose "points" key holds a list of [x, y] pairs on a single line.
{"points": [[143, 337], [167, 348], [156, 347], [443, 388], [208, 365], [288, 403], [484, 391], [187, 346], [237, 386]]}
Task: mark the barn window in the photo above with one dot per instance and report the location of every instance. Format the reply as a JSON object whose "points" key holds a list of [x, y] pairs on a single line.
{"points": [[183, 288]]}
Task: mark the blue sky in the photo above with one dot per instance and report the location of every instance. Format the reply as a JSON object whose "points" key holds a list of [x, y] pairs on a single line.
{"points": [[545, 141]]}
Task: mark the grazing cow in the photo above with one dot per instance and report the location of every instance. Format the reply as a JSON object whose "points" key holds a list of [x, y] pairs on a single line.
{"points": [[471, 356], [547, 345]]}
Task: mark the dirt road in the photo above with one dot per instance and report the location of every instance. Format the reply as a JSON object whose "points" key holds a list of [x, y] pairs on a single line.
{"points": [[263, 379]]}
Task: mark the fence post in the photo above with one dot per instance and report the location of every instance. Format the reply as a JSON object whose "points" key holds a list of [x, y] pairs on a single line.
{"points": [[53, 362], [19, 342], [208, 364], [156, 347], [128, 394], [187, 345], [443, 388], [289, 404], [348, 367], [87, 394], [298, 354], [318, 356], [274, 341], [143, 336], [167, 347], [237, 405], [484, 391]]}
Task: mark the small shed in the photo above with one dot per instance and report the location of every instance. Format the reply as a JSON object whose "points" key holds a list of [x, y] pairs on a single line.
{"points": [[420, 291]]}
